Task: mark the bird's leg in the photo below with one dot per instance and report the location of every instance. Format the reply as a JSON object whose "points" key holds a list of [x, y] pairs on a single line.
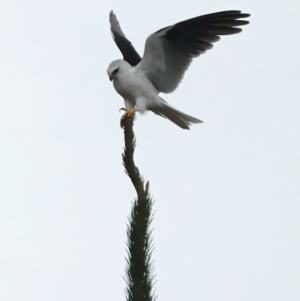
{"points": [[128, 115]]}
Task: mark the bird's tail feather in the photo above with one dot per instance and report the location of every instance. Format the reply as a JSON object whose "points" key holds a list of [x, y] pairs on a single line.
{"points": [[181, 119]]}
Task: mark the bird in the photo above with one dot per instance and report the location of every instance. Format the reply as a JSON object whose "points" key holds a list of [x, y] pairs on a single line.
{"points": [[167, 55]]}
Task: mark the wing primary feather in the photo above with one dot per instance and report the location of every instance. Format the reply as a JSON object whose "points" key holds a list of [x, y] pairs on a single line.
{"points": [[129, 53], [169, 51]]}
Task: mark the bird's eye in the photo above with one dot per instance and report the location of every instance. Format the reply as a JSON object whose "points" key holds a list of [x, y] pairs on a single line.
{"points": [[115, 71]]}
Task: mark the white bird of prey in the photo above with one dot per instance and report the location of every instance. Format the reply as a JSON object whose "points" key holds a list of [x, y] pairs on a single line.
{"points": [[168, 53]]}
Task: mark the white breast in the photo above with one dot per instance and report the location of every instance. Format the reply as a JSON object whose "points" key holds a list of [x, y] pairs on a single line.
{"points": [[132, 86]]}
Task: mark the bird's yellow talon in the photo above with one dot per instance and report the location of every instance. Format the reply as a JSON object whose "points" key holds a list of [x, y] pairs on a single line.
{"points": [[129, 113], [127, 116]]}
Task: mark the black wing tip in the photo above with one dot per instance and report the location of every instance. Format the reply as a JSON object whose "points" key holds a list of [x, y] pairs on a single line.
{"points": [[112, 17], [238, 15], [231, 12], [226, 14], [244, 15], [129, 53]]}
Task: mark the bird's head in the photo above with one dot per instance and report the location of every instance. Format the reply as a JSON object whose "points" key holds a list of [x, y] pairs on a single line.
{"points": [[116, 67]]}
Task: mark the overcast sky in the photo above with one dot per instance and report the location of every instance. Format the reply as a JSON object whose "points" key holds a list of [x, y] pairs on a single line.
{"points": [[227, 192]]}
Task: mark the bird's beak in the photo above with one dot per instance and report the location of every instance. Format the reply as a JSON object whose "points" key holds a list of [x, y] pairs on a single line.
{"points": [[110, 77]]}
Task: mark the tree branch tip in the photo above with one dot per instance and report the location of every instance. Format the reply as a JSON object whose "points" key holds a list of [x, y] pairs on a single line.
{"points": [[126, 123]]}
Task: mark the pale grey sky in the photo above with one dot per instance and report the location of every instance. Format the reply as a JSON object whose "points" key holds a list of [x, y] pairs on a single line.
{"points": [[227, 192]]}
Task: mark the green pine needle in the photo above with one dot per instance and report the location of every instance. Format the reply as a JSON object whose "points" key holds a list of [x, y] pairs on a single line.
{"points": [[139, 270]]}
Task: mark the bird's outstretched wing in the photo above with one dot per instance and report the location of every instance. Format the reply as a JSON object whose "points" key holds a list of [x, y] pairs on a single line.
{"points": [[169, 51], [129, 53]]}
